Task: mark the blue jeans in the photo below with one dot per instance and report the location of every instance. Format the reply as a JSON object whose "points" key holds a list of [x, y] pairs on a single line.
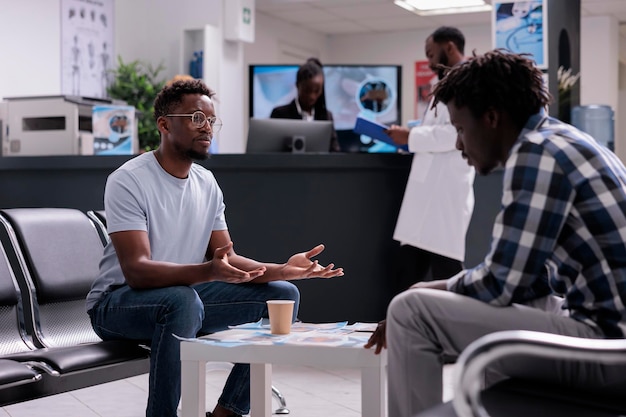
{"points": [[154, 315]]}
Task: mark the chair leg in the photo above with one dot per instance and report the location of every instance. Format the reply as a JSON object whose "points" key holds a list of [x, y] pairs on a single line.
{"points": [[282, 409]]}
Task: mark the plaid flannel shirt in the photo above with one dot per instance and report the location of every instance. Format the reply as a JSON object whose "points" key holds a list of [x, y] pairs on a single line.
{"points": [[561, 228]]}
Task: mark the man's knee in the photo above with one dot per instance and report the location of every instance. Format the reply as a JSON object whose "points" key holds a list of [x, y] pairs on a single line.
{"points": [[184, 302], [284, 290], [399, 306], [412, 303]]}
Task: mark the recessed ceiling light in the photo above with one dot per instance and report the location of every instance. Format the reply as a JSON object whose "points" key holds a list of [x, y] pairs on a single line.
{"points": [[432, 7]]}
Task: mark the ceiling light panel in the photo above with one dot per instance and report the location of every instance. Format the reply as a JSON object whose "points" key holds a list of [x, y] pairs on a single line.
{"points": [[443, 4]]}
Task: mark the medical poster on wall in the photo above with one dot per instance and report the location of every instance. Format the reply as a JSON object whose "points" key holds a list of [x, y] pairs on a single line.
{"points": [[87, 52], [425, 79], [521, 27], [113, 128]]}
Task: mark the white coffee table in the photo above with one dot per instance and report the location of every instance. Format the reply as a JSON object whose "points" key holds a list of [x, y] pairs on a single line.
{"points": [[194, 355]]}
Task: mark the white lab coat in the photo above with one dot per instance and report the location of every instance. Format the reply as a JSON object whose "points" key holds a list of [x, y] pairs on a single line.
{"points": [[439, 196]]}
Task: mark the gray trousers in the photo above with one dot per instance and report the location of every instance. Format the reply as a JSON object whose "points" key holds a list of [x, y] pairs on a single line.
{"points": [[425, 325]]}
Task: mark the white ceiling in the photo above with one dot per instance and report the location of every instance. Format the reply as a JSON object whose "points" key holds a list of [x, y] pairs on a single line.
{"points": [[335, 17]]}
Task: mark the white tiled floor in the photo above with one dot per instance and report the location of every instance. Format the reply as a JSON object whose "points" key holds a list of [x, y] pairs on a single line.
{"points": [[308, 391]]}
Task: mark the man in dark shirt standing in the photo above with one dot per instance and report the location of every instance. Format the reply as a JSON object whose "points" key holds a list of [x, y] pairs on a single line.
{"points": [[558, 241]]}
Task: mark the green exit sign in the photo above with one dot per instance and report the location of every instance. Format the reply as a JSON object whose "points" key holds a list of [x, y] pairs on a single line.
{"points": [[247, 15]]}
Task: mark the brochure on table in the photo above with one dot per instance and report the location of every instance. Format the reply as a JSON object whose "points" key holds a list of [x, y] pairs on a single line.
{"points": [[321, 334]]}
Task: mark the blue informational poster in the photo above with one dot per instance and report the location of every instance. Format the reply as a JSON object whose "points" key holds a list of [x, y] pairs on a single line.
{"points": [[113, 129], [521, 27]]}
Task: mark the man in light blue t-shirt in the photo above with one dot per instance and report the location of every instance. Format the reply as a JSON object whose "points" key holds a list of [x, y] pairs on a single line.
{"points": [[170, 267]]}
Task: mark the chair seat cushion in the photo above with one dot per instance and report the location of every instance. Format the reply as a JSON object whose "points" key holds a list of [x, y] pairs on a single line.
{"points": [[85, 356], [14, 373]]}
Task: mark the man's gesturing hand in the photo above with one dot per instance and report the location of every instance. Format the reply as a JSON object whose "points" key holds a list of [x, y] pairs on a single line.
{"points": [[301, 266], [222, 270]]}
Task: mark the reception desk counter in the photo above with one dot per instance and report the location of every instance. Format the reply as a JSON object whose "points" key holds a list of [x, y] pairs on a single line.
{"points": [[278, 204]]}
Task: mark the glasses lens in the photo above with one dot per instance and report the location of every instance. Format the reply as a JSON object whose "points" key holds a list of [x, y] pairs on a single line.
{"points": [[198, 119], [216, 124]]}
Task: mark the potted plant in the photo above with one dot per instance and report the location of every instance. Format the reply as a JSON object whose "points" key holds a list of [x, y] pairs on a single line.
{"points": [[137, 84], [566, 81]]}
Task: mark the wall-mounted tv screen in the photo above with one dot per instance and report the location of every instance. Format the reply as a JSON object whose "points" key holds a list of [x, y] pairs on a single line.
{"points": [[369, 91]]}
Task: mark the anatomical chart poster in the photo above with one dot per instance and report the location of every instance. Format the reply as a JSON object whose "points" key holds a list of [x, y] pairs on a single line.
{"points": [[87, 54]]}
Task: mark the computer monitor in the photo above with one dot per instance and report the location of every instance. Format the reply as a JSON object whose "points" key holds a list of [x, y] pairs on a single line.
{"points": [[349, 94], [288, 135]]}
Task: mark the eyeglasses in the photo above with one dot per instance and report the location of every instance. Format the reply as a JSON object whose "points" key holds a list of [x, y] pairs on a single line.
{"points": [[199, 119]]}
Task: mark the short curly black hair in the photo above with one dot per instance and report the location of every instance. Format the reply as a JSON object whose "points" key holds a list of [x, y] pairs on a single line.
{"points": [[172, 95], [499, 79], [449, 34]]}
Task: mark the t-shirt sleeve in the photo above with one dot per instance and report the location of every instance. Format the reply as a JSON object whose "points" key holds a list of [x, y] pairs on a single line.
{"points": [[124, 203], [220, 217]]}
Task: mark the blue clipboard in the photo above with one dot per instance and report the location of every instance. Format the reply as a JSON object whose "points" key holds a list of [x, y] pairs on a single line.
{"points": [[376, 131]]}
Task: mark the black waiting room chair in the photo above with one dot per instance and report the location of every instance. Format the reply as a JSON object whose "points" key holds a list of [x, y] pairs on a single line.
{"points": [[13, 337], [515, 397], [54, 255]]}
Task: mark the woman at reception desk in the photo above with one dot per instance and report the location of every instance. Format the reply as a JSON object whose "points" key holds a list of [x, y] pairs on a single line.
{"points": [[310, 104]]}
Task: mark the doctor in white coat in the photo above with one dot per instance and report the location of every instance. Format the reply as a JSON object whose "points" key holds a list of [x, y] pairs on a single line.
{"points": [[439, 196]]}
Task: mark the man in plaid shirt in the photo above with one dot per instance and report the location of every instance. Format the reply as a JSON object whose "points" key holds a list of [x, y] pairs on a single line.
{"points": [[557, 262]]}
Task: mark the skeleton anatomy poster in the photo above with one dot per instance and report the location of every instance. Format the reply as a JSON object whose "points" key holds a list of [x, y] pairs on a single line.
{"points": [[86, 47]]}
